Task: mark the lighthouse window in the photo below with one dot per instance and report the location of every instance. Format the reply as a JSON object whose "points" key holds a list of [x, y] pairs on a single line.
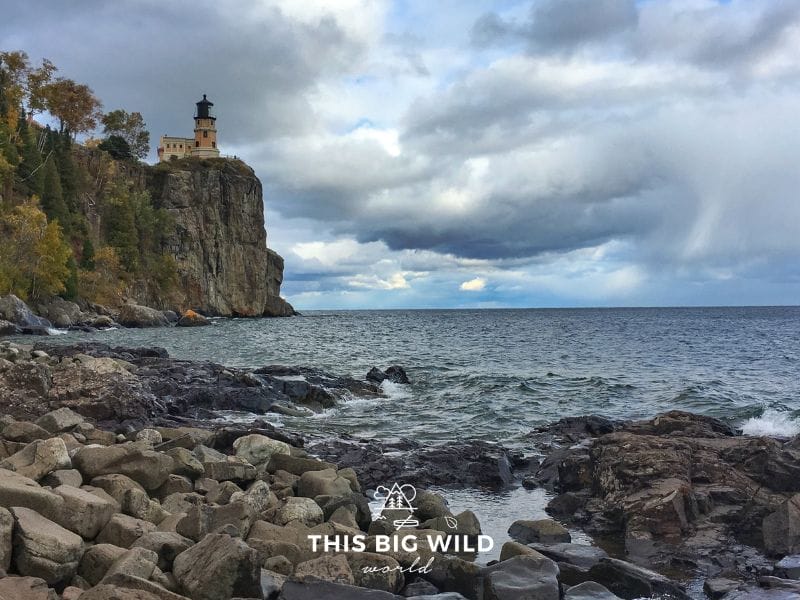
{"points": [[197, 144], [205, 134], [181, 145], [213, 144]]}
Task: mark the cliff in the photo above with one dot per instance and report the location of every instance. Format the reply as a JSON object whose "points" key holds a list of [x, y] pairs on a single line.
{"points": [[217, 235]]}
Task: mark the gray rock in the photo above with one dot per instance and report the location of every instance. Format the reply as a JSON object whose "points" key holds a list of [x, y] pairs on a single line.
{"points": [[323, 483], [84, 513], [430, 505], [522, 578], [546, 531], [15, 311], [151, 436], [43, 548], [313, 590], [26, 588], [63, 477], [716, 587], [304, 510], [631, 581], [574, 554], [97, 560], [148, 468], [16, 490], [296, 465], [62, 419], [203, 519], [185, 463], [137, 503], [781, 529], [6, 538], [39, 458], [376, 571], [115, 485], [62, 313], [589, 590], [136, 562], [135, 315], [218, 568], [258, 449], [24, 431], [8, 328], [123, 531], [789, 566], [167, 545], [329, 567]]}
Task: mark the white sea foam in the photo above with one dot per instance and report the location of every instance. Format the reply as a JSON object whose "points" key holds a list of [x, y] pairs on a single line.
{"points": [[396, 391], [772, 423], [54, 331]]}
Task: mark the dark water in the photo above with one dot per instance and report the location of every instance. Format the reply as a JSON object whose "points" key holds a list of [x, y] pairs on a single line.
{"points": [[495, 374]]}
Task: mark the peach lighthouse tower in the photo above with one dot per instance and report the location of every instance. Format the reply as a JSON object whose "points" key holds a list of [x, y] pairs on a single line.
{"points": [[202, 145]]}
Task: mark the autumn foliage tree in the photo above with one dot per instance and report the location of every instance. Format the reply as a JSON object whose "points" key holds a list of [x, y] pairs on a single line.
{"points": [[73, 104], [33, 253], [130, 127]]}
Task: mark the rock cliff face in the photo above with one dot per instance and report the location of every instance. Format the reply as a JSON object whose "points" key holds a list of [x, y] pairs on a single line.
{"points": [[220, 242]]}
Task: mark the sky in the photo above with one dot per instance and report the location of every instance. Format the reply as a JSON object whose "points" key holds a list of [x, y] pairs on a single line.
{"points": [[461, 154]]}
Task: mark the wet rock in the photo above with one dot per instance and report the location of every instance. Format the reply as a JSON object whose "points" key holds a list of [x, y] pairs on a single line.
{"points": [[148, 468], [522, 578], [15, 311], [61, 313], [218, 568], [574, 554], [8, 328], [781, 529], [589, 590], [631, 581], [395, 374], [134, 315], [717, 587], [544, 531], [43, 548], [789, 566], [311, 590], [192, 319], [26, 588]]}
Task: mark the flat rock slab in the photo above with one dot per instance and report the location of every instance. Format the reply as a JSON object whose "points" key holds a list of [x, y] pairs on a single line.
{"points": [[312, 590], [26, 588], [44, 548], [148, 468]]}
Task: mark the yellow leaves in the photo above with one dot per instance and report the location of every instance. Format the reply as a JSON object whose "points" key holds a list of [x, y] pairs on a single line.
{"points": [[33, 253], [105, 284]]}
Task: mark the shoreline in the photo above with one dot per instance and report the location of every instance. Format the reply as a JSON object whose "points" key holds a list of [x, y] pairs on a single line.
{"points": [[624, 484]]}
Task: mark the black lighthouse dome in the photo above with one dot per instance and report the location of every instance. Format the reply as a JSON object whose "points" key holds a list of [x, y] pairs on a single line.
{"points": [[203, 107]]}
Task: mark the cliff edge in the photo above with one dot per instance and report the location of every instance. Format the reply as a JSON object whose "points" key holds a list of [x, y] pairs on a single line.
{"points": [[219, 240]]}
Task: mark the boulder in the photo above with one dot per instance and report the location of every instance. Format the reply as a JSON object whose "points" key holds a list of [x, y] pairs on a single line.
{"points": [[203, 519], [16, 490], [230, 469], [185, 463], [574, 554], [545, 531], [589, 590], [331, 567], [138, 504], [296, 465], [115, 485], [632, 581], [43, 548], [126, 587], [61, 313], [522, 578], [304, 510], [136, 562], [167, 545], [84, 513], [430, 505], [39, 458], [218, 568], [192, 319], [97, 560], [789, 566], [512, 549], [15, 311], [150, 436], [62, 419], [258, 449], [148, 468], [376, 571], [122, 530], [395, 374], [24, 431], [135, 315], [465, 523], [323, 483], [717, 587], [8, 328], [6, 538], [311, 590], [26, 588], [63, 477], [175, 484], [781, 529]]}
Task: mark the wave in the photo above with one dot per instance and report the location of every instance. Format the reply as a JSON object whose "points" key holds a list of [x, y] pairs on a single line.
{"points": [[54, 331], [772, 423], [396, 391]]}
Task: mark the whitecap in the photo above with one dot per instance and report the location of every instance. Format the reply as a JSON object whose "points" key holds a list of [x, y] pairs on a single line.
{"points": [[772, 423], [396, 391], [54, 331]]}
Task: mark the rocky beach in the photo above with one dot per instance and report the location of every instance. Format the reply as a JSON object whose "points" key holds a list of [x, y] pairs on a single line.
{"points": [[119, 481]]}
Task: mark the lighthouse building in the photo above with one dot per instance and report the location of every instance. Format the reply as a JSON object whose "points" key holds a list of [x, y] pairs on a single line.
{"points": [[202, 145]]}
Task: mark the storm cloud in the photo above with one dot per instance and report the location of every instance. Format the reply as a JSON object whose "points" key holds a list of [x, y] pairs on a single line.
{"points": [[557, 151]]}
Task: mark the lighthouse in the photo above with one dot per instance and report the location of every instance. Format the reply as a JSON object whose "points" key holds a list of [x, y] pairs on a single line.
{"points": [[204, 143]]}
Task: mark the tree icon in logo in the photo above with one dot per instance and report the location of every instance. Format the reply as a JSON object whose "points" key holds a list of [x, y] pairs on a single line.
{"points": [[397, 498]]}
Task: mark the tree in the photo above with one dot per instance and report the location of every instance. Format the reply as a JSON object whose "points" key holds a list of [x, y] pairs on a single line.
{"points": [[117, 147], [130, 127], [34, 258], [104, 284], [52, 198], [73, 104]]}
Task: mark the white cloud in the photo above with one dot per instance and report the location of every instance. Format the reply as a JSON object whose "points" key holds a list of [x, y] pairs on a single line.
{"points": [[473, 285]]}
